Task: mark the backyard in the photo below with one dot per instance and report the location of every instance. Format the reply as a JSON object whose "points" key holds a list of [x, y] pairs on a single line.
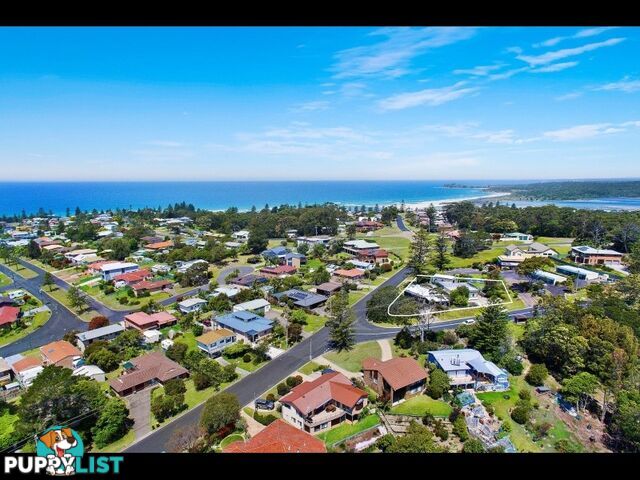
{"points": [[346, 430], [420, 405], [352, 360], [10, 335]]}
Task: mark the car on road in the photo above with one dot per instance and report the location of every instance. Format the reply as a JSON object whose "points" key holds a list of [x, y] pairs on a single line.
{"points": [[470, 321], [262, 404]]}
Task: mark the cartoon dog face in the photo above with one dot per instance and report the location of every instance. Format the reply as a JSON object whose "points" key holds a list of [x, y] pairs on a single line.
{"points": [[59, 440]]}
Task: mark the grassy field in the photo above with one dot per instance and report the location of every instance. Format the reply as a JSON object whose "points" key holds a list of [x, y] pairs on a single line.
{"points": [[398, 245], [551, 241], [20, 269], [420, 405], [309, 368], [60, 295], [5, 280], [39, 264], [250, 411], [314, 323], [346, 430], [10, 335], [248, 366], [112, 302], [352, 360], [516, 305], [482, 257]]}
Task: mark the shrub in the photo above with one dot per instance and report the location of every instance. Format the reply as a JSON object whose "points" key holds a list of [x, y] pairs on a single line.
{"points": [[237, 350], [294, 381], [271, 397], [536, 375], [200, 381], [282, 389], [524, 394], [174, 386], [565, 446], [490, 409], [520, 414], [473, 446], [460, 428], [246, 358], [264, 419], [441, 430], [428, 419], [197, 329], [386, 267]]}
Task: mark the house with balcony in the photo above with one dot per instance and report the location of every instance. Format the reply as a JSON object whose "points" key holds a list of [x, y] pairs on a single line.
{"points": [[595, 256], [396, 379], [214, 342], [467, 368], [360, 247], [246, 325], [323, 403]]}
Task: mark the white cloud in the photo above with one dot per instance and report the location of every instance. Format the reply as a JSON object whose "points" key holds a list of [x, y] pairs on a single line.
{"points": [[569, 96], [478, 71], [428, 96], [588, 32], [550, 57], [392, 57], [625, 85], [581, 132], [507, 74], [311, 106], [554, 67]]}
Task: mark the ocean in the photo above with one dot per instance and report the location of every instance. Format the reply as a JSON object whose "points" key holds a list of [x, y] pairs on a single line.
{"points": [[57, 197]]}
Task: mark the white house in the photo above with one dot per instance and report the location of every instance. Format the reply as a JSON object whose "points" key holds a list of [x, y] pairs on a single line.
{"points": [[184, 266], [112, 270], [151, 336], [191, 305], [259, 306], [90, 371], [580, 273], [241, 236], [214, 342], [548, 277]]}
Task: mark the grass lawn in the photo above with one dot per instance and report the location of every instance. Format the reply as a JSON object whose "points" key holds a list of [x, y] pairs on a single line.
{"points": [[355, 295], [112, 302], [60, 295], [516, 305], [118, 445], [309, 368], [7, 422], [314, 263], [579, 295], [398, 352], [250, 411], [10, 335], [314, 323], [248, 366], [420, 405], [5, 280], [551, 241], [352, 360], [229, 439], [482, 257], [20, 269], [398, 245], [39, 264], [346, 430]]}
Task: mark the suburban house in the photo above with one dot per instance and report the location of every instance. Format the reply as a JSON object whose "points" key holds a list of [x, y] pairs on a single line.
{"points": [[278, 437], [184, 266], [426, 293], [8, 316], [467, 368], [301, 299], [328, 288], [60, 353], [362, 265], [291, 233], [214, 342], [81, 255], [548, 277], [230, 292], [580, 273], [323, 403], [26, 370], [368, 225], [279, 271], [128, 279], [150, 239], [595, 256], [351, 274], [246, 325], [158, 246], [145, 371], [191, 305], [294, 259], [360, 247], [316, 240], [94, 268], [396, 379], [5, 372], [449, 283], [375, 257], [516, 236], [249, 280], [143, 321], [147, 286], [112, 270], [258, 306], [84, 339], [232, 244], [514, 255], [275, 253], [160, 268], [241, 236]]}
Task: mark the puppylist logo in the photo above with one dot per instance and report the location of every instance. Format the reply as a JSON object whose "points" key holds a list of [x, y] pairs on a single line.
{"points": [[60, 452]]}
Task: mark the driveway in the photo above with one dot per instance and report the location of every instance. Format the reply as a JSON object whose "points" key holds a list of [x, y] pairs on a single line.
{"points": [[140, 411], [224, 273]]}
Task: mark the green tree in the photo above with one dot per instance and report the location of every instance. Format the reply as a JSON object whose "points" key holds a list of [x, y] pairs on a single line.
{"points": [[473, 445], [536, 375], [341, 322], [531, 264], [220, 411], [633, 259], [419, 252], [438, 383], [490, 334], [76, 298], [177, 351], [418, 439], [579, 388], [33, 250], [112, 423], [459, 297], [47, 280], [441, 259], [104, 359], [258, 241]]}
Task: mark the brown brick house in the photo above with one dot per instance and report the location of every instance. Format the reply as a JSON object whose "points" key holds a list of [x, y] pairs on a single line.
{"points": [[394, 379]]}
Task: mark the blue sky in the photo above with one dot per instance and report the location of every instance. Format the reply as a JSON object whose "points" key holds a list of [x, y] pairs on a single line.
{"points": [[319, 103]]}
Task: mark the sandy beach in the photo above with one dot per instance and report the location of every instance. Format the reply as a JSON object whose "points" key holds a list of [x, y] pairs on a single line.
{"points": [[441, 203]]}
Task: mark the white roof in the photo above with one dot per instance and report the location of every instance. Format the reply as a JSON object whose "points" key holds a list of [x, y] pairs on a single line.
{"points": [[251, 305], [117, 266], [228, 291], [595, 251], [549, 276], [241, 233], [87, 371], [190, 302], [151, 333], [361, 244], [577, 271]]}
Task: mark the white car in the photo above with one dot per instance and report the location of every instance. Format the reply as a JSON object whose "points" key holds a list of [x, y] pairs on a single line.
{"points": [[470, 321]]}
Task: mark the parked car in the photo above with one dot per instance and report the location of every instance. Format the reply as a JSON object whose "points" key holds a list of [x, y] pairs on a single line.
{"points": [[470, 321], [262, 404]]}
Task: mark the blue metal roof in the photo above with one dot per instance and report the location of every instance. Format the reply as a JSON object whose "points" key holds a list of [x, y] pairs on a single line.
{"points": [[245, 322]]}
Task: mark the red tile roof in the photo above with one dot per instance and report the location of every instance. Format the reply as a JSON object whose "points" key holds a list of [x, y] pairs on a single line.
{"points": [[8, 315], [146, 285], [398, 372], [151, 366], [308, 396], [279, 437], [279, 270], [142, 319], [133, 277], [25, 364], [97, 265], [352, 273], [56, 351], [159, 245]]}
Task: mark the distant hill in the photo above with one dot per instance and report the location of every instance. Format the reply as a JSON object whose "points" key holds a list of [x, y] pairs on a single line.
{"points": [[573, 190]]}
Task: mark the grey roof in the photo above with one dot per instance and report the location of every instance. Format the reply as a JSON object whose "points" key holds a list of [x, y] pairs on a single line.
{"points": [[302, 298], [595, 251], [461, 359], [100, 332]]}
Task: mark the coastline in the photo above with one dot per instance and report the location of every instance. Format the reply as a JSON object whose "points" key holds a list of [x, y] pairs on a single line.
{"points": [[442, 203]]}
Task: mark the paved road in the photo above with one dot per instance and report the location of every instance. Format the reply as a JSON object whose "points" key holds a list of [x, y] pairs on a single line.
{"points": [[224, 273], [401, 224], [61, 321]]}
